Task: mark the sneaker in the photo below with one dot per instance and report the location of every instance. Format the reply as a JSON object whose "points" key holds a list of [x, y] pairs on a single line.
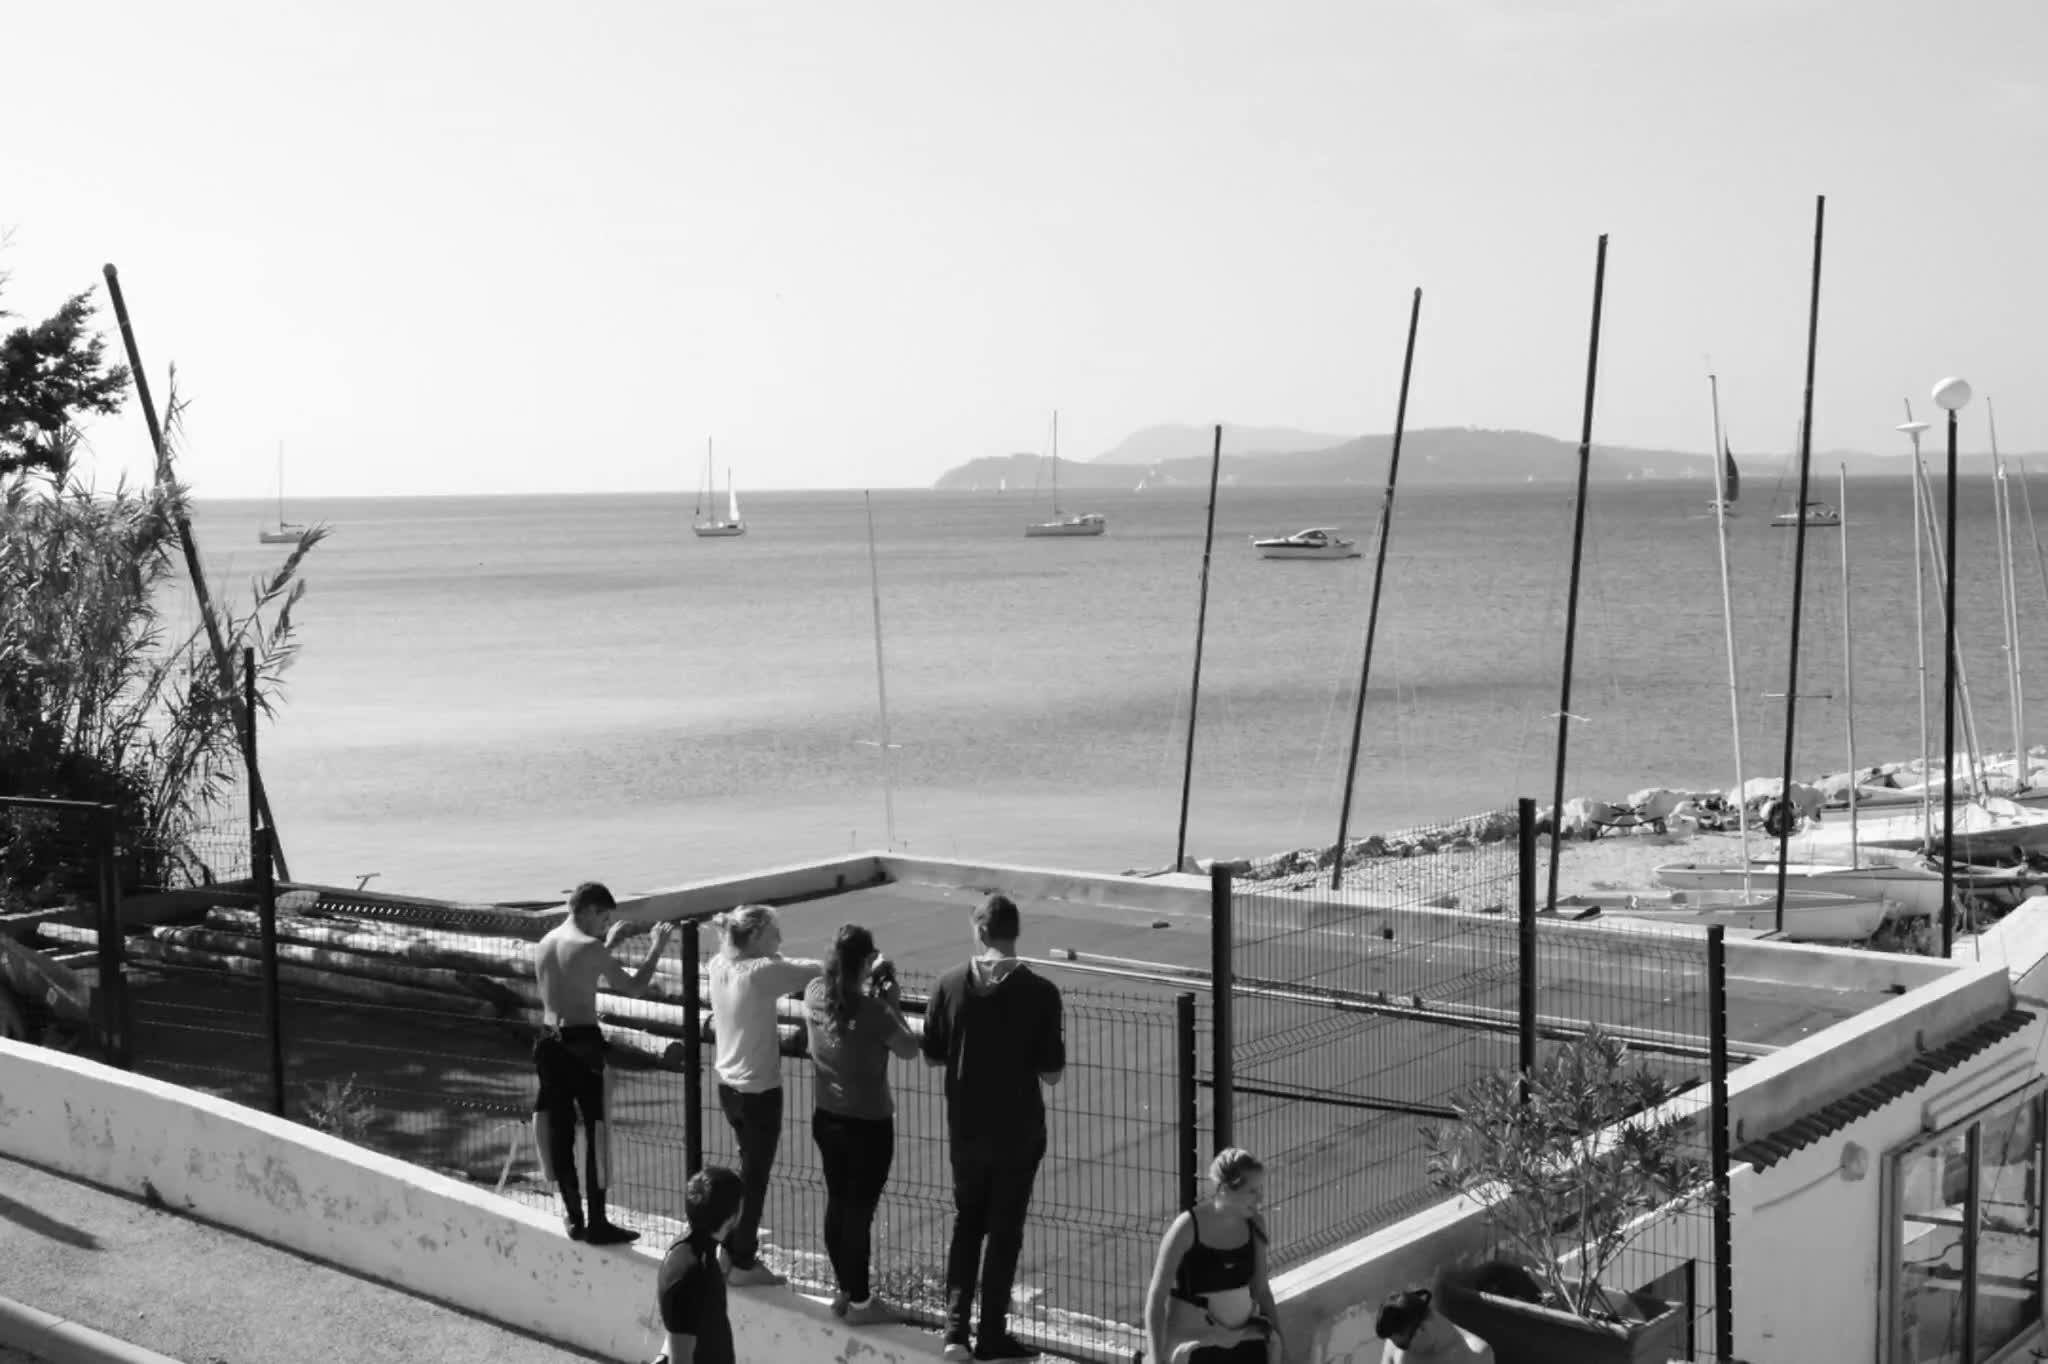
{"points": [[839, 1304], [873, 1312], [958, 1351], [1003, 1346], [574, 1228], [607, 1234], [755, 1275]]}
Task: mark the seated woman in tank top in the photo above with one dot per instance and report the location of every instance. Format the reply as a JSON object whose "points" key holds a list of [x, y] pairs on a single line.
{"points": [[1210, 1301]]}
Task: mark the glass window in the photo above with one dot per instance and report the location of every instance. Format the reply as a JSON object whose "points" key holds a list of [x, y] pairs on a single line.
{"points": [[1968, 1254]]}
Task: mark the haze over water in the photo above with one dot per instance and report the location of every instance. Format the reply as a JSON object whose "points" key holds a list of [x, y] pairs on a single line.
{"points": [[501, 696]]}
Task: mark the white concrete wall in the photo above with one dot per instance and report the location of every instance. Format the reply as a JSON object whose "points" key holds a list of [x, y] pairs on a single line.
{"points": [[1809, 1238], [383, 1218]]}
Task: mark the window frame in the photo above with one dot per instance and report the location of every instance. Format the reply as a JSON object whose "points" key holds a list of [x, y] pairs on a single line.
{"points": [[1891, 1242]]}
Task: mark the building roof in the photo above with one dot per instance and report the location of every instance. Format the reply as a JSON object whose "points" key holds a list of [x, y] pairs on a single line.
{"points": [[1859, 1103]]}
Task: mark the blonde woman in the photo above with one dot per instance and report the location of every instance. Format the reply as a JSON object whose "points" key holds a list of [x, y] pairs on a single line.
{"points": [[1211, 1301], [748, 975]]}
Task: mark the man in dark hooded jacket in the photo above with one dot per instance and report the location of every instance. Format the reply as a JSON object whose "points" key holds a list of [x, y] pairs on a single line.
{"points": [[995, 1025]]}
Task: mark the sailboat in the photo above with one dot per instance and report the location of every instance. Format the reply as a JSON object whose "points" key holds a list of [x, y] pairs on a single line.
{"points": [[1730, 491], [1087, 523], [287, 532], [712, 526], [1811, 914]]}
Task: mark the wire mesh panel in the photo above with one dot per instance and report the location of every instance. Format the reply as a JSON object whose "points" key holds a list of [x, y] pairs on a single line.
{"points": [[1105, 1191], [1358, 1013]]}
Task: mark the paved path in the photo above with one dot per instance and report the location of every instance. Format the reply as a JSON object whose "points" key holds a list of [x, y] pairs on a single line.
{"points": [[207, 1296]]}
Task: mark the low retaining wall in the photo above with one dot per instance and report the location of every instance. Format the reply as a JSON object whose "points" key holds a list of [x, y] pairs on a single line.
{"points": [[336, 1202]]}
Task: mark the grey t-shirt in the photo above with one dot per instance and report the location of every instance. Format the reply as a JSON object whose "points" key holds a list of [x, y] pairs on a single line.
{"points": [[853, 1065]]}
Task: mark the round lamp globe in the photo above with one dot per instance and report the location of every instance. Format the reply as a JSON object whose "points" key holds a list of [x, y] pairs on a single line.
{"points": [[1951, 395]]}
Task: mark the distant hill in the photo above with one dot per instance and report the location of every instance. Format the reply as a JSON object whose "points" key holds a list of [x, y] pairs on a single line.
{"points": [[1157, 444], [1438, 456]]}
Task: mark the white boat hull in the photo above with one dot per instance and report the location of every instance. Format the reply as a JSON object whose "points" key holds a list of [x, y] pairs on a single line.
{"points": [[1343, 549], [1992, 828], [283, 535], [1913, 887], [718, 529], [1810, 916], [1063, 529]]}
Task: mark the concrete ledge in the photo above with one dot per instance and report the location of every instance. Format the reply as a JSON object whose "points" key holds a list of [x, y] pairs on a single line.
{"points": [[51, 1337], [381, 1218], [697, 899]]}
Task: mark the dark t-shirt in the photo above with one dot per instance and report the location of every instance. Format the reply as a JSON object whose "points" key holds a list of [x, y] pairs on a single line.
{"points": [[995, 1041], [690, 1291], [852, 1066]]}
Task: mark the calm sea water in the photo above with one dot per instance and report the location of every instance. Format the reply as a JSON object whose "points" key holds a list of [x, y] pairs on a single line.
{"points": [[501, 696]]}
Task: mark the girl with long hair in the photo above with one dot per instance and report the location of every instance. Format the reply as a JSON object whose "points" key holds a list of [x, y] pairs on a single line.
{"points": [[856, 1023]]}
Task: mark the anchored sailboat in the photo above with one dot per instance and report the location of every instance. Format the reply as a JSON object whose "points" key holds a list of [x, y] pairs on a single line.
{"points": [[1087, 523], [712, 526], [287, 532]]}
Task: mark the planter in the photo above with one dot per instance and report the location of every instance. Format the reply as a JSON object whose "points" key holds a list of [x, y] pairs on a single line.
{"points": [[1524, 1333]]}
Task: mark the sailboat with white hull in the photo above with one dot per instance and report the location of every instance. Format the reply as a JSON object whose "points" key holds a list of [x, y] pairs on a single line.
{"points": [[1087, 523], [287, 532], [712, 527]]}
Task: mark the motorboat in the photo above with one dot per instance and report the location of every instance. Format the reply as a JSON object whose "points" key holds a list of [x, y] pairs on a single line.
{"points": [[1317, 542], [1817, 514], [1810, 915]]}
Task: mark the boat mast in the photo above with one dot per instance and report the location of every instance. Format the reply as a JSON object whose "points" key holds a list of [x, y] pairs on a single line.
{"points": [[1055, 464], [1728, 625], [1799, 561], [1187, 772], [1913, 430], [1966, 711], [1848, 662], [1372, 613], [1571, 610], [280, 485], [881, 682], [2040, 563], [703, 488], [2009, 605]]}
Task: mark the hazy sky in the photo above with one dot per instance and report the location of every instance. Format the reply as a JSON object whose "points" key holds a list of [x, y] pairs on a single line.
{"points": [[514, 246]]}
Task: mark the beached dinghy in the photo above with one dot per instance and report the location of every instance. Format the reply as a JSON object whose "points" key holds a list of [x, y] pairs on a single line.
{"points": [[1911, 882], [1810, 915]]}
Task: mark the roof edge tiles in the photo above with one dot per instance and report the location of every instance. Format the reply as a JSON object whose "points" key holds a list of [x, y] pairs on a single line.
{"points": [[1832, 1117]]}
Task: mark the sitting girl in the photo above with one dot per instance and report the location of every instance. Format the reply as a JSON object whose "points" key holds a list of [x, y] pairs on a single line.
{"points": [[1210, 1301]]}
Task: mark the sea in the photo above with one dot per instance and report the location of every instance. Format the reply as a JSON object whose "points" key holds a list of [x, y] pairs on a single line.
{"points": [[498, 697]]}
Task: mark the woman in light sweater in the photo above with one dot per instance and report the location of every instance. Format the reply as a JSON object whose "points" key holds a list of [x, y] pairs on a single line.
{"points": [[855, 1025], [748, 975]]}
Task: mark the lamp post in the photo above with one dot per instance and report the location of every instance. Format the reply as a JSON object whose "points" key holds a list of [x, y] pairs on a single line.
{"points": [[1913, 429], [1950, 395]]}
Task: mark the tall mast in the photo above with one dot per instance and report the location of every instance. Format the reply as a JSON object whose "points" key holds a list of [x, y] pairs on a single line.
{"points": [[1913, 430], [1055, 464], [280, 485], [1799, 561], [1571, 610], [2009, 605], [1372, 614], [881, 682], [1728, 623], [1848, 662], [2041, 564], [1187, 773]]}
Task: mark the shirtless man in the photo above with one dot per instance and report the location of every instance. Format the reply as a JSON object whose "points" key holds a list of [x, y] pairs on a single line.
{"points": [[570, 964]]}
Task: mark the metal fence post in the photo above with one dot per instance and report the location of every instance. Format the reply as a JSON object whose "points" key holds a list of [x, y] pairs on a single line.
{"points": [[273, 1003], [1526, 937], [1222, 982], [113, 978], [693, 1053], [256, 848], [1724, 1215], [1190, 1142]]}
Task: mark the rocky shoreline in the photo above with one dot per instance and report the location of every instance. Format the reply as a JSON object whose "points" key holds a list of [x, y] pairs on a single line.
{"points": [[1670, 814]]}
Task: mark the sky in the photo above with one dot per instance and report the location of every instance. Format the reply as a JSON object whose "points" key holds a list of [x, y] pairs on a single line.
{"points": [[446, 246]]}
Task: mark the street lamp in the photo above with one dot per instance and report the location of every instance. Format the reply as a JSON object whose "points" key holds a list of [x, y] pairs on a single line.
{"points": [[1950, 395]]}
